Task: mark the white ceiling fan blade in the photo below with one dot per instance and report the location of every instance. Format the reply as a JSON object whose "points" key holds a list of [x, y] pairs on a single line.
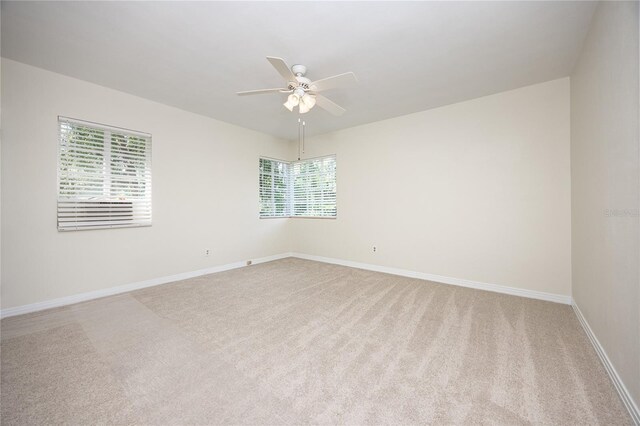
{"points": [[262, 91], [329, 105], [340, 80], [283, 69]]}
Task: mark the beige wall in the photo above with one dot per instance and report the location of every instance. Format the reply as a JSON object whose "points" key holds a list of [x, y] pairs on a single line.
{"points": [[605, 172], [478, 190], [205, 179]]}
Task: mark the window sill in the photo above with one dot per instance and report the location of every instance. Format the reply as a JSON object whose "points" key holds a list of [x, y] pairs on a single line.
{"points": [[299, 217]]}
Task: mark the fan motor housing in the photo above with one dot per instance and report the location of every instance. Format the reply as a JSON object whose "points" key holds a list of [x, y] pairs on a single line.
{"points": [[303, 82]]}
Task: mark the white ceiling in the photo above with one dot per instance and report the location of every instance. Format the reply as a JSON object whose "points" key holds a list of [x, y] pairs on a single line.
{"points": [[408, 56]]}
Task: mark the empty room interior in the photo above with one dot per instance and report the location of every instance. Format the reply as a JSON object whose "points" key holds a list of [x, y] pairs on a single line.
{"points": [[283, 213]]}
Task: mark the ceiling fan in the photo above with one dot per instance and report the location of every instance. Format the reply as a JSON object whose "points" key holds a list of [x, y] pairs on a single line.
{"points": [[303, 92]]}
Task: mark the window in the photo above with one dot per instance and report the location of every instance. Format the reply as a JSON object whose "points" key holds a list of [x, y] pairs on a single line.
{"points": [[274, 188], [104, 176], [305, 188], [314, 187]]}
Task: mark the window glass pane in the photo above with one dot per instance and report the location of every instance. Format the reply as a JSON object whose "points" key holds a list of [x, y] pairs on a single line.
{"points": [[128, 167], [274, 188], [81, 163]]}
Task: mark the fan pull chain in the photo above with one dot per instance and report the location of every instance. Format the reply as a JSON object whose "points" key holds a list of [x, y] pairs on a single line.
{"points": [[299, 138], [301, 127]]}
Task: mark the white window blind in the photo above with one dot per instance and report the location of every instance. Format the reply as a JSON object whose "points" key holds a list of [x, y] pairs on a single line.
{"points": [[274, 188], [305, 188], [314, 187], [104, 176]]}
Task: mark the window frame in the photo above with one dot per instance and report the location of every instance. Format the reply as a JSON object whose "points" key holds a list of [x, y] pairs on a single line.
{"points": [[108, 179], [291, 188]]}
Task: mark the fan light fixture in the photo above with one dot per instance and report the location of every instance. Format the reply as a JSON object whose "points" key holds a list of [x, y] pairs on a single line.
{"points": [[299, 98], [292, 101], [309, 100]]}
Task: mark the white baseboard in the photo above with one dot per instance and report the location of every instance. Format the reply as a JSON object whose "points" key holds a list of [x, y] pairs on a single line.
{"points": [[627, 400], [82, 297], [68, 300], [532, 294]]}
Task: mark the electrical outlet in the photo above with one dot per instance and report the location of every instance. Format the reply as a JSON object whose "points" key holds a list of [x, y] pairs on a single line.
{"points": [[375, 249], [207, 252]]}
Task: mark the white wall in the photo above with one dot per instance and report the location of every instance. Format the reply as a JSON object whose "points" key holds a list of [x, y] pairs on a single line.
{"points": [[605, 172], [205, 176], [478, 190]]}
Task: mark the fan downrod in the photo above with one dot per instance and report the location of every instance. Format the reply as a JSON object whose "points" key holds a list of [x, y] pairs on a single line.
{"points": [[299, 70]]}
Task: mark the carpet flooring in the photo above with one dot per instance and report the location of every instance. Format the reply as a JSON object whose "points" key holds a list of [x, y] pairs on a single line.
{"points": [[298, 342]]}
